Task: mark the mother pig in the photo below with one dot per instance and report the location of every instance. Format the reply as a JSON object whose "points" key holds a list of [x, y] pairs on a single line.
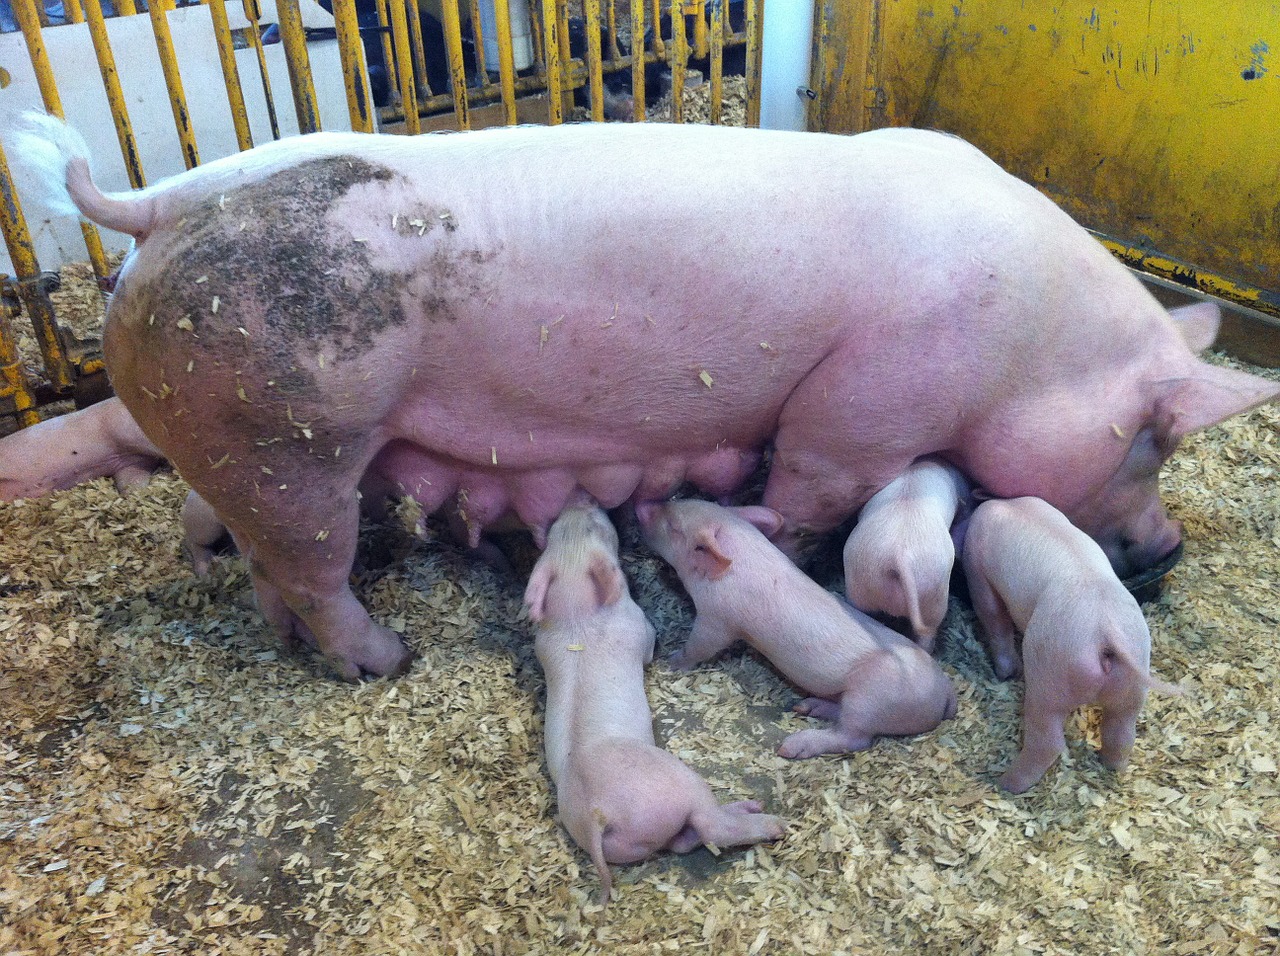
{"points": [[497, 319]]}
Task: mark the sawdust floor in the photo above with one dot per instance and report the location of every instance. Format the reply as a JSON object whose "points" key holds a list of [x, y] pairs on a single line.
{"points": [[173, 781]]}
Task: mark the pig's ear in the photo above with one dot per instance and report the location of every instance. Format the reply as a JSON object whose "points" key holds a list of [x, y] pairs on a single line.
{"points": [[766, 519], [708, 557], [608, 579], [1198, 323], [1209, 395], [535, 595]]}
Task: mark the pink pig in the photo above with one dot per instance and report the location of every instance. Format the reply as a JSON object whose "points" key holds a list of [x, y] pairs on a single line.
{"points": [[1084, 641], [621, 797], [898, 559], [202, 529], [865, 678]]}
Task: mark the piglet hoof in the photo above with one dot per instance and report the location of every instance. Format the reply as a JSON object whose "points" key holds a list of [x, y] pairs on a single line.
{"points": [[1115, 762], [1007, 668], [679, 661], [818, 707], [811, 743], [744, 806], [131, 478], [927, 642], [1013, 782]]}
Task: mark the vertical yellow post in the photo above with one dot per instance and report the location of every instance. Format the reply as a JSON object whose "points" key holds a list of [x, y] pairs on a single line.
{"points": [[25, 11], [115, 96], [351, 52], [419, 50], [388, 52], [126, 8], [477, 40], [717, 59], [253, 15], [612, 13], [294, 40], [506, 61], [404, 67], [659, 49], [17, 239], [595, 76], [679, 57], [13, 380], [697, 10], [173, 81], [637, 59], [457, 68], [230, 72], [535, 22], [75, 12], [551, 32], [753, 61]]}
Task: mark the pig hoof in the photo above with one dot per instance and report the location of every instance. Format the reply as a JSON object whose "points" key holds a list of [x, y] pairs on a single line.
{"points": [[1008, 668], [381, 654], [744, 806], [811, 743], [818, 707], [679, 662], [1014, 783]]}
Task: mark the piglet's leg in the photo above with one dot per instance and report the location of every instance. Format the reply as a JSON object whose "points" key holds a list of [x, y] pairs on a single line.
{"points": [[1042, 740], [832, 740], [738, 824], [708, 638], [818, 707], [1119, 729], [997, 626]]}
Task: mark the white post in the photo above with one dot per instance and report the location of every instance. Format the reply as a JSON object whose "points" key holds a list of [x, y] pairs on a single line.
{"points": [[784, 63]]}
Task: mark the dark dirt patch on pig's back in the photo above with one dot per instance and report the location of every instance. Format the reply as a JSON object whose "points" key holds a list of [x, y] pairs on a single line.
{"points": [[277, 265]]}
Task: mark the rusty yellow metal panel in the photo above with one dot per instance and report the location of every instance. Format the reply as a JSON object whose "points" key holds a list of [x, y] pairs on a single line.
{"points": [[843, 70], [1155, 124]]}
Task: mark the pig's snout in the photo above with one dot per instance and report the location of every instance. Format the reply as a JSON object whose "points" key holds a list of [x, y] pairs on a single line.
{"points": [[1131, 555]]}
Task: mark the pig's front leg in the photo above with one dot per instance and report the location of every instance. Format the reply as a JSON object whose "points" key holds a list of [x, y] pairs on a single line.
{"points": [[830, 740], [708, 638], [997, 626]]}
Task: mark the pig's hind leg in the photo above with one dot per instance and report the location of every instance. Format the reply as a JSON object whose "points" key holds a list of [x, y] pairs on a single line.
{"points": [[997, 626], [708, 638], [1043, 737], [734, 824], [818, 707]]}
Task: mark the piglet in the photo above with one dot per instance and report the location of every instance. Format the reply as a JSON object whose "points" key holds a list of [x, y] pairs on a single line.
{"points": [[1084, 639], [867, 679], [202, 530], [620, 796], [898, 559]]}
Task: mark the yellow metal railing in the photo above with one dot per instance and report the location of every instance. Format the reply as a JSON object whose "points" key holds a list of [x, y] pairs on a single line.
{"points": [[591, 63]]}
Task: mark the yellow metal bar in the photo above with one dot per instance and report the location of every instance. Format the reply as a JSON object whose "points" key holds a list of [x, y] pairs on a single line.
{"points": [[293, 39], [615, 54], [637, 59], [13, 380], [126, 8], [457, 68], [403, 64], [351, 52], [388, 51], [843, 70], [115, 96], [477, 39], [173, 82], [555, 97], [562, 28], [659, 49], [419, 50], [753, 61], [506, 61], [75, 12], [717, 59], [697, 10], [230, 72], [595, 75], [253, 14], [25, 10], [679, 57], [535, 23], [17, 239]]}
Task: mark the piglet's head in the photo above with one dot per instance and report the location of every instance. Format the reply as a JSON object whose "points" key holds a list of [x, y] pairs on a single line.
{"points": [[1125, 516], [578, 573], [697, 538]]}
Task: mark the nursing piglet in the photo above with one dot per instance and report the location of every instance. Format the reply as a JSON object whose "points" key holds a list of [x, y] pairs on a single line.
{"points": [[1084, 639], [898, 559], [870, 681], [620, 796]]}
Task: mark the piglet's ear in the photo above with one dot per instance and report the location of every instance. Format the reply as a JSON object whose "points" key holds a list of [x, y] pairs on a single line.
{"points": [[1209, 395], [708, 557], [608, 579], [766, 519], [1198, 323], [535, 595]]}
